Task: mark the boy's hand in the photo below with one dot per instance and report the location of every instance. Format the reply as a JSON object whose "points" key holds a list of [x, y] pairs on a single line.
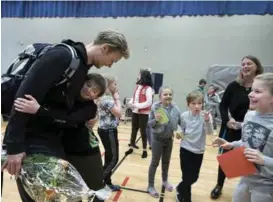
{"points": [[91, 123], [179, 135], [207, 116]]}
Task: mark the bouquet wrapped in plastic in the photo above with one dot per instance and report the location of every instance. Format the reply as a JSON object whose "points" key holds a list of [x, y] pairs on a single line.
{"points": [[48, 178]]}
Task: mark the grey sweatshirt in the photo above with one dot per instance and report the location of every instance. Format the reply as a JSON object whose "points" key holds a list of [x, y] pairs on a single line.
{"points": [[195, 129], [257, 133], [160, 131]]}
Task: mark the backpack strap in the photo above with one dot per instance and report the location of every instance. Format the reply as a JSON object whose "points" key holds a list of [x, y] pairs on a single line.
{"points": [[73, 66], [29, 54]]}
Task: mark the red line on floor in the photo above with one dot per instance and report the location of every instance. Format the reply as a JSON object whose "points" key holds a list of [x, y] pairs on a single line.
{"points": [[119, 192]]}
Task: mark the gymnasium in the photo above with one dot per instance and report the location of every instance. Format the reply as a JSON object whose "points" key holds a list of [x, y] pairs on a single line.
{"points": [[185, 46]]}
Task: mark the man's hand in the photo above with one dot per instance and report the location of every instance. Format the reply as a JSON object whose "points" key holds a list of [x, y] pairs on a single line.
{"points": [[13, 163], [29, 105]]}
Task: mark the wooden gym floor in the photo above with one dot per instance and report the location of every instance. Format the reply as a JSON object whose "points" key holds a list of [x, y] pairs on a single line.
{"points": [[132, 174]]}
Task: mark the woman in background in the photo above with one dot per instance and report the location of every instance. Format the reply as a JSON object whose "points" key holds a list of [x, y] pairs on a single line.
{"points": [[236, 102]]}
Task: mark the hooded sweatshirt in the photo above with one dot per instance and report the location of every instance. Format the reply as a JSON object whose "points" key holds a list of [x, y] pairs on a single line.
{"points": [[164, 131], [257, 133], [25, 133]]}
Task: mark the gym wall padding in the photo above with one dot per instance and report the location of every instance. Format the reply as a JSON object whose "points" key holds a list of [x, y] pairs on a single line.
{"points": [[222, 75]]}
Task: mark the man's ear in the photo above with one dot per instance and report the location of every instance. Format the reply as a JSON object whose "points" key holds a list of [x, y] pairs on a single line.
{"points": [[105, 48]]}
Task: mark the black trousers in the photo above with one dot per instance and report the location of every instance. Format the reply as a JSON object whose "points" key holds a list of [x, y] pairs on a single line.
{"points": [[229, 135], [90, 168], [2, 184], [23, 194], [190, 165], [110, 143], [139, 121]]}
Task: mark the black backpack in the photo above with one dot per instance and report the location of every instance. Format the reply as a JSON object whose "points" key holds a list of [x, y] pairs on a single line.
{"points": [[17, 71]]}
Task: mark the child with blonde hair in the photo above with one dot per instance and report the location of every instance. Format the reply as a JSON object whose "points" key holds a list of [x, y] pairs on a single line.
{"points": [[257, 137], [109, 113], [163, 119], [140, 104], [195, 124]]}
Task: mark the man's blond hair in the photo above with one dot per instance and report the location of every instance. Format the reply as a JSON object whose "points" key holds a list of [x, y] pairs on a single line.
{"points": [[115, 40]]}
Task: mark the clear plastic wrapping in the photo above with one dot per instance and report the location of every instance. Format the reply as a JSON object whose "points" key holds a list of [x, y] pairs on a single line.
{"points": [[48, 178]]}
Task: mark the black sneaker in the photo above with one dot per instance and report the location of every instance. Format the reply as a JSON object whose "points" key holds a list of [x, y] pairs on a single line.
{"points": [[144, 154], [130, 151], [114, 187], [216, 192], [133, 145]]}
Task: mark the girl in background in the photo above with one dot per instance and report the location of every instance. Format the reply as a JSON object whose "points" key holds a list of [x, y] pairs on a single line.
{"points": [[141, 104], [109, 114], [163, 120]]}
